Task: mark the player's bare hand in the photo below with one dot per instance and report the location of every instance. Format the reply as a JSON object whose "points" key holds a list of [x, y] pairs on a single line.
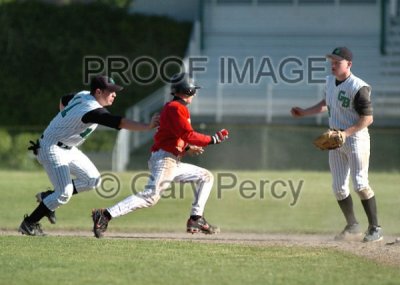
{"points": [[297, 112], [195, 150], [155, 121]]}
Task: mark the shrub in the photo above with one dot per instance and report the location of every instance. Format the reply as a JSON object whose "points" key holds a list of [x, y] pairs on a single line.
{"points": [[5, 142], [42, 48], [100, 141], [20, 157]]}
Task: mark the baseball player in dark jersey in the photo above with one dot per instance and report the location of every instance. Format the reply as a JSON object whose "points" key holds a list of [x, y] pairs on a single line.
{"points": [[57, 151], [175, 137], [347, 100]]}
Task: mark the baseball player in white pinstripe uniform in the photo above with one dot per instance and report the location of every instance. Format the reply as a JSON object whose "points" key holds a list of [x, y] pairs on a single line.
{"points": [[57, 150], [347, 100]]}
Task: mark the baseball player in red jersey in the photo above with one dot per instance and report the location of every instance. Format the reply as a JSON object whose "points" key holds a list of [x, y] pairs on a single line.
{"points": [[175, 138]]}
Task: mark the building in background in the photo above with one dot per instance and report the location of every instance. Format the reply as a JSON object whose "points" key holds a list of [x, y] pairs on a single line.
{"points": [[255, 51]]}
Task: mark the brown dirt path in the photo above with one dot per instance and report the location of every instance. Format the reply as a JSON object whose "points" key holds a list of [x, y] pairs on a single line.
{"points": [[385, 252]]}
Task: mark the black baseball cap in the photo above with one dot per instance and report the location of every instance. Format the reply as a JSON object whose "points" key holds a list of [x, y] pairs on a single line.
{"points": [[341, 53], [104, 83]]}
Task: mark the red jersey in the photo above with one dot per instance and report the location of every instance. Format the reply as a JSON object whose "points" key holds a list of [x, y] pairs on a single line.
{"points": [[175, 131]]}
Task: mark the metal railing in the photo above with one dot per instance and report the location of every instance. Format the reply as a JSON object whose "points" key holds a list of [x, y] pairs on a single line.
{"points": [[386, 101], [293, 2], [128, 141], [266, 102]]}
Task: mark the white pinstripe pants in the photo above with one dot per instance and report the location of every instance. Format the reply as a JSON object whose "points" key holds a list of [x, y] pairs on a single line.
{"points": [[59, 164], [165, 168], [352, 159]]}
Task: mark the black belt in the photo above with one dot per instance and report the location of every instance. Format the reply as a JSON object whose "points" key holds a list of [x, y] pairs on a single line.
{"points": [[60, 144]]}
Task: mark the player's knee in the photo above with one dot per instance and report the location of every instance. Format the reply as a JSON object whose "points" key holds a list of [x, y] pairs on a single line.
{"points": [[153, 200], [207, 176], [365, 193], [65, 195], [96, 182], [63, 199], [93, 182], [150, 196], [340, 194]]}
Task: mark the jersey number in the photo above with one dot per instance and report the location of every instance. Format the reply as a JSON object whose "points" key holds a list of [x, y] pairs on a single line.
{"points": [[64, 113], [87, 132], [345, 101]]}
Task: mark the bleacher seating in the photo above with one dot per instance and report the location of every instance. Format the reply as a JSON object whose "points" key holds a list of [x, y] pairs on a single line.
{"points": [[240, 40]]}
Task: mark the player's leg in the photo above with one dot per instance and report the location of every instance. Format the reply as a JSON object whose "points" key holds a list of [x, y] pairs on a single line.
{"points": [[40, 196], [162, 172], [203, 181], [162, 167], [87, 177], [359, 164], [55, 162], [339, 166], [51, 216]]}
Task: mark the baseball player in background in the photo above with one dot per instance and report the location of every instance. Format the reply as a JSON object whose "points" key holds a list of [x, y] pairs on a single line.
{"points": [[57, 150], [347, 100], [175, 137]]}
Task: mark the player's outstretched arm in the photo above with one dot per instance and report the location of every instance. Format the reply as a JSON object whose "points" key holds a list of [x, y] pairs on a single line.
{"points": [[320, 107], [137, 126]]}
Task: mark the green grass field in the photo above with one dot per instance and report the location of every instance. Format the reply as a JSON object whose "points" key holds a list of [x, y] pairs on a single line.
{"points": [[83, 260], [70, 260]]}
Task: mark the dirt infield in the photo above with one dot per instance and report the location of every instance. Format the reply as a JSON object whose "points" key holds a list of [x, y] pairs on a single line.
{"points": [[385, 252]]}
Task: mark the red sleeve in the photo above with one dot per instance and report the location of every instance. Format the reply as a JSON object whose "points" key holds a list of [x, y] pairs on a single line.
{"points": [[181, 127]]}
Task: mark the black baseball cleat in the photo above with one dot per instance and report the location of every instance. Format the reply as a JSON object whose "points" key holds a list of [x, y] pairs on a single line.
{"points": [[51, 216], [30, 229], [100, 222], [201, 226], [349, 233]]}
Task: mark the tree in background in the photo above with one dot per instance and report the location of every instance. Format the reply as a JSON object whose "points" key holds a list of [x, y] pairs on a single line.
{"points": [[124, 4]]}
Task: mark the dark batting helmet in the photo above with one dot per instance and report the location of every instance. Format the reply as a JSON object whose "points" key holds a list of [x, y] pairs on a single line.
{"points": [[183, 83]]}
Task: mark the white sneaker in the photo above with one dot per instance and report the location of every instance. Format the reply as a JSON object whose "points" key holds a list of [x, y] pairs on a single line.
{"points": [[373, 234]]}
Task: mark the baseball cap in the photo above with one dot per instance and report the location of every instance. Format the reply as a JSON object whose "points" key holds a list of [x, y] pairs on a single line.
{"points": [[104, 83], [341, 53]]}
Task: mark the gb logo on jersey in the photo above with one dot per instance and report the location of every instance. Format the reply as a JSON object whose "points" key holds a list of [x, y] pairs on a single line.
{"points": [[345, 101]]}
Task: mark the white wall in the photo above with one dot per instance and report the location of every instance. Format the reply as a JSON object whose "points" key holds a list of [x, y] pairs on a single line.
{"points": [[335, 19], [181, 10], [293, 20]]}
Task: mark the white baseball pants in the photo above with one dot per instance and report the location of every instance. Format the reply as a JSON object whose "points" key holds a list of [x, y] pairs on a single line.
{"points": [[59, 164], [352, 159], [166, 168]]}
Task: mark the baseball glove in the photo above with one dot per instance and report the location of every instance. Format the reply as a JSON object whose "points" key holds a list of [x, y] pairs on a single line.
{"points": [[331, 139]]}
